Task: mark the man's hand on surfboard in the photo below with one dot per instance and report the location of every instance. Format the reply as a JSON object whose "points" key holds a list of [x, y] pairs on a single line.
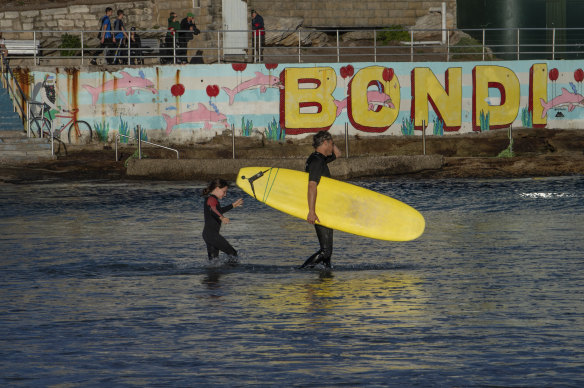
{"points": [[237, 203], [312, 218]]}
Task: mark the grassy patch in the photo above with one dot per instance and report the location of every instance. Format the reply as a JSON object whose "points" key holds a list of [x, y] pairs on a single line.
{"points": [[394, 33]]}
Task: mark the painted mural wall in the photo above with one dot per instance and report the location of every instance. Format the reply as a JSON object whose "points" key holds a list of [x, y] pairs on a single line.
{"points": [[182, 104]]}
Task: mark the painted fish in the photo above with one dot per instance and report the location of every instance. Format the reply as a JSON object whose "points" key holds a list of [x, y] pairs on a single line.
{"points": [[565, 99], [374, 98], [127, 82], [200, 115], [261, 80]]}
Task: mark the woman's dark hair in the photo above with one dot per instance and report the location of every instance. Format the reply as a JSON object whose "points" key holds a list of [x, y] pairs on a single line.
{"points": [[320, 137], [221, 183]]}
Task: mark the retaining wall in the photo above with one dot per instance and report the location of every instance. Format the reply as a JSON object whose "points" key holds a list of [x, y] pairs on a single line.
{"points": [[191, 103]]}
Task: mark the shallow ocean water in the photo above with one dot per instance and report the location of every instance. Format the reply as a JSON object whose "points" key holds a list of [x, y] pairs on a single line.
{"points": [[108, 284]]}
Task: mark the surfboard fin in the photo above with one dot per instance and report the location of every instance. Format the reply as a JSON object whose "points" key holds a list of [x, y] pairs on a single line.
{"points": [[253, 178]]}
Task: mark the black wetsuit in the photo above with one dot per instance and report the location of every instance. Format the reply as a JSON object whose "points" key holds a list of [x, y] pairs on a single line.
{"points": [[215, 242], [317, 167]]}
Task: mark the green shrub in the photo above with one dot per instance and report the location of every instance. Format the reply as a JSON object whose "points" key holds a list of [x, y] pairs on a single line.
{"points": [[70, 42], [467, 48]]}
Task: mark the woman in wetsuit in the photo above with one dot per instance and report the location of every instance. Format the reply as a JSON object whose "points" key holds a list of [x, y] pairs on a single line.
{"points": [[216, 190]]}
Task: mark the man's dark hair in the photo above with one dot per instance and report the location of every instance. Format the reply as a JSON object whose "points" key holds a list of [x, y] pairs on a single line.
{"points": [[108, 9], [320, 137], [120, 12]]}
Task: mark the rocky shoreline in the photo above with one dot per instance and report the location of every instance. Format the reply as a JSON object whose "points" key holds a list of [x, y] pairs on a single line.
{"points": [[538, 153]]}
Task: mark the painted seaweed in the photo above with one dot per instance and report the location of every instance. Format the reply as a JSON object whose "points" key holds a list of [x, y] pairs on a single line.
{"points": [[274, 131], [407, 127], [124, 130], [102, 131], [246, 127], [526, 118], [485, 121], [438, 127]]}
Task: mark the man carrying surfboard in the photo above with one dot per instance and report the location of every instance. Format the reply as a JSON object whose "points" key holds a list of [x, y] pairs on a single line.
{"points": [[325, 151]]}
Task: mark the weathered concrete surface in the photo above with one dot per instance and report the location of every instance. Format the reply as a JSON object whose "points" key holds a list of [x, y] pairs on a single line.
{"points": [[342, 168]]}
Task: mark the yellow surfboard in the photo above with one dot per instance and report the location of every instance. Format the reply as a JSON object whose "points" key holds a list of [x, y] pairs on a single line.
{"points": [[339, 205]]}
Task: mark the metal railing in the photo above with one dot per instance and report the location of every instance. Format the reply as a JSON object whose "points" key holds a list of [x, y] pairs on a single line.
{"points": [[16, 94], [138, 138], [367, 45]]}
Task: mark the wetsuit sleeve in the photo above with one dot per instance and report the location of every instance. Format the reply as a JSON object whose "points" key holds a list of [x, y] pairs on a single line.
{"points": [[331, 158], [315, 170], [214, 206], [225, 209]]}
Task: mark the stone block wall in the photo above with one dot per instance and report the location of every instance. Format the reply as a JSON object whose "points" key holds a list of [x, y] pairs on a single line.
{"points": [[140, 14], [42, 15], [350, 13]]}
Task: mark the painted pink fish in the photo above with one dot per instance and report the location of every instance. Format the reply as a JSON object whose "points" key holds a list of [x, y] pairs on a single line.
{"points": [[126, 82], [261, 80], [199, 115], [374, 98], [566, 98]]}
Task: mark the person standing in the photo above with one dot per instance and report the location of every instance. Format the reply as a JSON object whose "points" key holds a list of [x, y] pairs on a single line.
{"points": [[259, 35], [214, 217], [170, 40], [104, 36], [120, 36], [173, 21], [187, 31], [325, 151]]}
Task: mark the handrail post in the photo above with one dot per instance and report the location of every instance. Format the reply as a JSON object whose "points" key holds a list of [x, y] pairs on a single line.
{"points": [[483, 44], [374, 45], [553, 43], [174, 47], [82, 50], [34, 45], [444, 32], [218, 46], [346, 140], [260, 59], [424, 136], [518, 49], [116, 146], [139, 131], [338, 48], [411, 45], [299, 45], [447, 47], [233, 139], [51, 130], [27, 118]]}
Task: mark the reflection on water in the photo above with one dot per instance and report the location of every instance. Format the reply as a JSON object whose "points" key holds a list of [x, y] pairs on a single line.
{"points": [[107, 284]]}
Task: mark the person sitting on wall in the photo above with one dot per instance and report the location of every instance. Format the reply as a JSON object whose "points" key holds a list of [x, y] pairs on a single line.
{"points": [[197, 59], [135, 48]]}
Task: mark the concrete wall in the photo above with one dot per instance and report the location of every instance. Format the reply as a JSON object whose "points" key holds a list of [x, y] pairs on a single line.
{"points": [[183, 104]]}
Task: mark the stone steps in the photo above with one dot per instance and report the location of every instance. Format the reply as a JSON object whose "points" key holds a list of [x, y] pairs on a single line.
{"points": [[15, 147]]}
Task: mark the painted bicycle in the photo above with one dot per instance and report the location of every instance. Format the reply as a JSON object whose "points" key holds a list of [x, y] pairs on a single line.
{"points": [[78, 131]]}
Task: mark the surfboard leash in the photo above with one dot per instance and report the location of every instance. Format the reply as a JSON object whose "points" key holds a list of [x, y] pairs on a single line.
{"points": [[253, 178], [267, 193]]}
